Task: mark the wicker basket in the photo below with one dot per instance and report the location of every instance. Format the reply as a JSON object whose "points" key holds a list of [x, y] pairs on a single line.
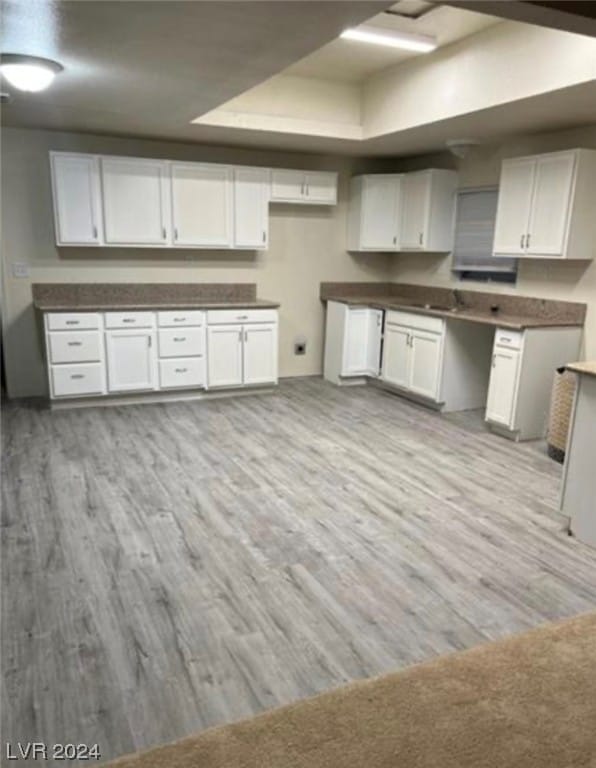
{"points": [[561, 404]]}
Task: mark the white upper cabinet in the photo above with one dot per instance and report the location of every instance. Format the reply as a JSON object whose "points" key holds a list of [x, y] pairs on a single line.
{"points": [[427, 210], [514, 205], [202, 205], [135, 201], [306, 187], [77, 199], [546, 205], [374, 213], [251, 207]]}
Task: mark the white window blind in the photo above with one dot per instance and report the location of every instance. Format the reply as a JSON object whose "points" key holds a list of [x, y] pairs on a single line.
{"points": [[474, 232]]}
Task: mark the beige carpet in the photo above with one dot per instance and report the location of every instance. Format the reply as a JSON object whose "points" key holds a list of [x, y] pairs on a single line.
{"points": [[525, 702]]}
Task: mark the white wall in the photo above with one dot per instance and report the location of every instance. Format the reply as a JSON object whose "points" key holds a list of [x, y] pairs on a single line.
{"points": [[567, 281], [307, 246]]}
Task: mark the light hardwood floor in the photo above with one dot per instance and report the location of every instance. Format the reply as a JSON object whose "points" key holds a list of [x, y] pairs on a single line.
{"points": [[171, 567]]}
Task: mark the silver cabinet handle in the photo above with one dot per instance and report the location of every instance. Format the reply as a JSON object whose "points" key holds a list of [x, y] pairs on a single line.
{"points": [[181, 370], [94, 232], [149, 342], [77, 376], [179, 319], [394, 239], [420, 239], [129, 320], [179, 338], [72, 322], [521, 242], [302, 188], [264, 236], [528, 240], [164, 234], [494, 362], [175, 233], [239, 335], [242, 317], [74, 343], [246, 336]]}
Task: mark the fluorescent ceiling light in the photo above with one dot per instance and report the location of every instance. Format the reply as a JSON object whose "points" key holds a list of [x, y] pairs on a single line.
{"points": [[28, 73], [391, 38]]}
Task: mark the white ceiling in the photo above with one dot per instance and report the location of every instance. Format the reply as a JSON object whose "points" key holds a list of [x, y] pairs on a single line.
{"points": [[351, 61], [135, 67]]}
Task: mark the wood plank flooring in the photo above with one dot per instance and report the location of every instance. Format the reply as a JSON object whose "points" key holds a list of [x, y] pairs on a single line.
{"points": [[171, 567]]}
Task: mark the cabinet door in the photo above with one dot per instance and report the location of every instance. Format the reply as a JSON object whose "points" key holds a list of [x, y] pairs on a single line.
{"points": [[502, 388], [380, 213], [513, 207], [287, 186], [415, 209], [396, 355], [373, 344], [321, 187], [425, 366], [354, 361], [77, 206], [202, 205], [132, 360], [260, 354], [135, 201], [251, 207], [553, 183], [224, 355]]}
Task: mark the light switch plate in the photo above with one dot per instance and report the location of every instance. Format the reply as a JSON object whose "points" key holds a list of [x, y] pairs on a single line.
{"points": [[19, 269]]}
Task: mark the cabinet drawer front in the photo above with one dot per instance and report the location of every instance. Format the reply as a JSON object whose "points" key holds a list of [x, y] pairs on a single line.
{"points": [[68, 321], [130, 319], [183, 342], [74, 347], [182, 372], [509, 339], [73, 380], [180, 317], [220, 316], [415, 320]]}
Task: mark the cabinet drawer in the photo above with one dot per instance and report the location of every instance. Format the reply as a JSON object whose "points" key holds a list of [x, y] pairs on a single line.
{"points": [[66, 321], [73, 380], [130, 319], [182, 372], [221, 316], [509, 339], [415, 320], [74, 346], [183, 342], [180, 317]]}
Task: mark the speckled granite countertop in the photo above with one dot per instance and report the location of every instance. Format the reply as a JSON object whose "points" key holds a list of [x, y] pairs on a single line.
{"points": [[587, 366], [77, 297], [514, 312]]}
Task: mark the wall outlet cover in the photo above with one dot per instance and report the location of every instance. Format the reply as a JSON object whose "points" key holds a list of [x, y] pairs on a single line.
{"points": [[19, 269]]}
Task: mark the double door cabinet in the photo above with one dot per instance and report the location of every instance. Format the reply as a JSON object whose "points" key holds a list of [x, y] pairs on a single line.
{"points": [[402, 212], [139, 202], [546, 206], [451, 365], [102, 353]]}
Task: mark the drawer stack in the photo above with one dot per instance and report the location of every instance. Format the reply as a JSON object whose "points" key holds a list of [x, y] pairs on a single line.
{"points": [[181, 345], [75, 354]]}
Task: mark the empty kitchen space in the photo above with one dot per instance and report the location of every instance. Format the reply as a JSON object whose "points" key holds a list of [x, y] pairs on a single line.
{"points": [[299, 384]]}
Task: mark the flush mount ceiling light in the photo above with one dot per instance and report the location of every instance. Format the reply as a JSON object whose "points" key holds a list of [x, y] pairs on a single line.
{"points": [[391, 38], [28, 73]]}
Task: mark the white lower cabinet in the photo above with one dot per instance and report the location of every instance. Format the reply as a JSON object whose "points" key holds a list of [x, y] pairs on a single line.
{"points": [[224, 350], [413, 353], [503, 386], [117, 352], [241, 354], [131, 358], [352, 342]]}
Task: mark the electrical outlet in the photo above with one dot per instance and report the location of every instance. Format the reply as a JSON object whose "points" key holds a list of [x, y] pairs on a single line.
{"points": [[19, 269]]}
